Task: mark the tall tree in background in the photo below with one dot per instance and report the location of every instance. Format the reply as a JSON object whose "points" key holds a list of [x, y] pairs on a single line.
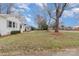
{"points": [[42, 24], [0, 8], [49, 12], [60, 7], [10, 5], [38, 20], [58, 11]]}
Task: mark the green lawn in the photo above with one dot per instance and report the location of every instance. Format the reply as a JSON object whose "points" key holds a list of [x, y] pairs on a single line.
{"points": [[37, 41]]}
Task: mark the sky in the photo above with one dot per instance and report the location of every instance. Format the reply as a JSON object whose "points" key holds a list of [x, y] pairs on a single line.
{"points": [[70, 16]]}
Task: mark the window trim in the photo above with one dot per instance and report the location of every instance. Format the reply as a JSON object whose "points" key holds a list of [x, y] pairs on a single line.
{"points": [[14, 25], [9, 23]]}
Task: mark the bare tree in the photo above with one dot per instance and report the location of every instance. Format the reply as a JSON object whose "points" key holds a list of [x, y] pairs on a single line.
{"points": [[39, 20], [10, 5], [49, 12], [0, 8], [60, 7], [42, 24]]}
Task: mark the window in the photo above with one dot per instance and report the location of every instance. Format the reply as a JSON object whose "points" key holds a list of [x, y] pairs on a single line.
{"points": [[13, 24], [9, 24]]}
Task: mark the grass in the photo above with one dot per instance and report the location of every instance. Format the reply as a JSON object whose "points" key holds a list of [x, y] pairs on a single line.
{"points": [[37, 41]]}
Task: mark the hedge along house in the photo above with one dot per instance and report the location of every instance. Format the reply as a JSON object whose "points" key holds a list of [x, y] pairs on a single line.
{"points": [[9, 23]]}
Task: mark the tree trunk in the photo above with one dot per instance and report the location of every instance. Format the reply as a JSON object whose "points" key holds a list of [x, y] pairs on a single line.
{"points": [[57, 25], [48, 25]]}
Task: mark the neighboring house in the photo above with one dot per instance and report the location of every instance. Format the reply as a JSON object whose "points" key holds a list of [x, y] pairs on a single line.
{"points": [[10, 23], [27, 28], [76, 27]]}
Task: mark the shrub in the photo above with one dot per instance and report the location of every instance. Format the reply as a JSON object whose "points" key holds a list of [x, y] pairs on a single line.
{"points": [[33, 28], [15, 32]]}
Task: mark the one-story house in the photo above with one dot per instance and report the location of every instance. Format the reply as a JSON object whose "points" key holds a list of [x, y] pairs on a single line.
{"points": [[9, 23]]}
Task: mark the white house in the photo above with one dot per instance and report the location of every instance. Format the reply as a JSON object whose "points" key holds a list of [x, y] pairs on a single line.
{"points": [[9, 22]]}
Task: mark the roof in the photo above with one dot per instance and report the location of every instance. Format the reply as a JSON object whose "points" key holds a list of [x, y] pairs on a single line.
{"points": [[9, 15], [20, 18]]}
